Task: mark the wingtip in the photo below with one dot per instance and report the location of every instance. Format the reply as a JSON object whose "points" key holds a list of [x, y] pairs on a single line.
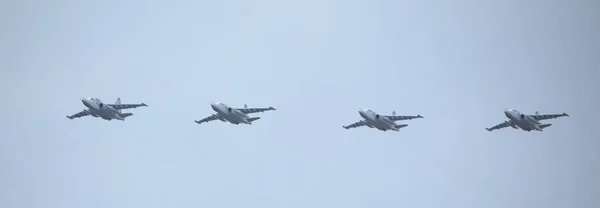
{"points": [[272, 108], [420, 116], [488, 129], [345, 127], [566, 114], [144, 104]]}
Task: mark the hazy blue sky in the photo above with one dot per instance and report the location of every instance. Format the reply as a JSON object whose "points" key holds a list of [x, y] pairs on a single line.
{"points": [[457, 63]]}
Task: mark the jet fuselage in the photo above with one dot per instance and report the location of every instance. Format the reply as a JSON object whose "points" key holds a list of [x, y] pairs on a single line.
{"points": [[98, 109], [229, 114], [374, 120], [522, 121]]}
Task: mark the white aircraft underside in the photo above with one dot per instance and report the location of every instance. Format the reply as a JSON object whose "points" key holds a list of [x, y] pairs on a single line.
{"points": [[233, 115], [96, 108], [383, 123], [525, 122]]}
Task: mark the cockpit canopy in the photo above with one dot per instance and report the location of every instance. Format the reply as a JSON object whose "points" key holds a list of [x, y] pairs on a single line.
{"points": [[94, 99]]}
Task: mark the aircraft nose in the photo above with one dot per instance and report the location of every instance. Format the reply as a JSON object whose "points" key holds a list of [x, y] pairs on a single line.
{"points": [[362, 113], [213, 106], [507, 113], [86, 102]]}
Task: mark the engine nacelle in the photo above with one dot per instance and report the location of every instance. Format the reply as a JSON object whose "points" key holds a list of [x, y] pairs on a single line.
{"points": [[377, 116], [366, 124], [90, 113], [512, 125], [220, 117], [531, 119]]}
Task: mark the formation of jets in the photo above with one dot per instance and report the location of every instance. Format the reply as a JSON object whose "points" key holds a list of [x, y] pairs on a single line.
{"points": [[224, 113]]}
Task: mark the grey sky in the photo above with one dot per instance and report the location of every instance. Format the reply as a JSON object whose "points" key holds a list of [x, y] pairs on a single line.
{"points": [[457, 63]]}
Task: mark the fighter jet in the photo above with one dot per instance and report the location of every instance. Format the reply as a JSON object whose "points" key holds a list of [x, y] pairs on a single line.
{"points": [[105, 111], [381, 122], [233, 115], [525, 122]]}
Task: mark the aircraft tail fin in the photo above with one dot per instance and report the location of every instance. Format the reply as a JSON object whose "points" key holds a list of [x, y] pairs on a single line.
{"points": [[118, 102], [401, 126], [253, 119], [545, 125], [125, 115]]}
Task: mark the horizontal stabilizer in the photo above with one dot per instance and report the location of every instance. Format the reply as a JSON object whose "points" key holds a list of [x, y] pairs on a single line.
{"points": [[125, 115], [401, 126], [253, 119], [544, 126]]}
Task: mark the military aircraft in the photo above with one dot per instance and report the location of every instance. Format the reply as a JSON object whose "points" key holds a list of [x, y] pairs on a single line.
{"points": [[381, 122], [105, 111], [525, 122], [233, 115]]}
